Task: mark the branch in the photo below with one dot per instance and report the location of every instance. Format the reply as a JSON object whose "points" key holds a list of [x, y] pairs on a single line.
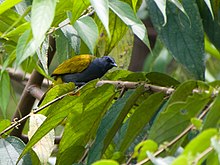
{"points": [[22, 77], [33, 89], [133, 85], [27, 100]]}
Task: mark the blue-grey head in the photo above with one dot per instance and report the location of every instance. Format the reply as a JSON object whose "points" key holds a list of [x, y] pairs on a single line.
{"points": [[107, 62]]}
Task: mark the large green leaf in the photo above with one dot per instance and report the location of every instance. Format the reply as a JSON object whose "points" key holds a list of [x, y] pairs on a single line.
{"points": [[127, 15], [53, 93], [178, 112], [211, 26], [26, 47], [117, 30], [111, 122], [8, 20], [78, 9], [88, 31], [72, 36], [182, 35], [42, 15], [62, 7], [83, 121], [140, 118], [4, 91], [197, 146], [58, 114], [7, 4], [10, 149], [212, 119], [16, 32], [102, 10]]}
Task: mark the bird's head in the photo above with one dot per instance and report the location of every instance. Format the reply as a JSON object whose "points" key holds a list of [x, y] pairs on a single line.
{"points": [[108, 62]]}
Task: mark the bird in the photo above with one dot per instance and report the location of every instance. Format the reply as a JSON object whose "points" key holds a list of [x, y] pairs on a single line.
{"points": [[83, 68]]}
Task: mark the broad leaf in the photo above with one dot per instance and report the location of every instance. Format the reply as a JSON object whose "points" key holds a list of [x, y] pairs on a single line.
{"points": [[199, 144], [178, 113], [83, 121], [143, 115], [111, 122], [10, 149], [57, 115], [7, 4], [45, 146], [126, 14], [208, 3], [182, 35], [102, 10], [161, 4], [212, 118], [78, 9], [88, 31], [211, 26], [4, 91], [117, 30], [42, 15], [72, 36]]}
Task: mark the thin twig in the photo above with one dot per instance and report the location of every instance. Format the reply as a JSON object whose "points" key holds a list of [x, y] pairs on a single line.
{"points": [[203, 154], [189, 128], [17, 123]]}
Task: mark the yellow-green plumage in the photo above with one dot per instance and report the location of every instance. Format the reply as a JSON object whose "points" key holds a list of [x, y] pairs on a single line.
{"points": [[75, 64]]}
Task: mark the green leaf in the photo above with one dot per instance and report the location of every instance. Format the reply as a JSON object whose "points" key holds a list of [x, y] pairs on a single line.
{"points": [[102, 10], [78, 8], [162, 79], [42, 15], [88, 31], [53, 93], [199, 144], [83, 121], [59, 112], [62, 7], [182, 35], [142, 147], [178, 113], [126, 14], [10, 149], [7, 4], [181, 160], [70, 154], [43, 56], [72, 36], [211, 27], [161, 4], [210, 7], [106, 162], [213, 116], [4, 91], [17, 32], [215, 144], [26, 47], [196, 122], [143, 115], [117, 30], [111, 122], [4, 124]]}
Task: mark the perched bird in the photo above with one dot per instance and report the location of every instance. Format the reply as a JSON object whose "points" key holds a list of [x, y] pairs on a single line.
{"points": [[83, 68]]}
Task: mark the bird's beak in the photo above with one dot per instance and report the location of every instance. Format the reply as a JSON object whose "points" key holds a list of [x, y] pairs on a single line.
{"points": [[114, 65]]}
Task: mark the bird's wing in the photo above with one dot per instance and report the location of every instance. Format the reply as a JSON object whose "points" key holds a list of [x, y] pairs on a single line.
{"points": [[75, 64]]}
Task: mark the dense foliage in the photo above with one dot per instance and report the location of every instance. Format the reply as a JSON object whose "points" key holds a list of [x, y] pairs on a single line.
{"points": [[138, 118]]}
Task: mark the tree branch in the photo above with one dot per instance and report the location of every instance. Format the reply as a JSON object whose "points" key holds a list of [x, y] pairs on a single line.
{"points": [[27, 100]]}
